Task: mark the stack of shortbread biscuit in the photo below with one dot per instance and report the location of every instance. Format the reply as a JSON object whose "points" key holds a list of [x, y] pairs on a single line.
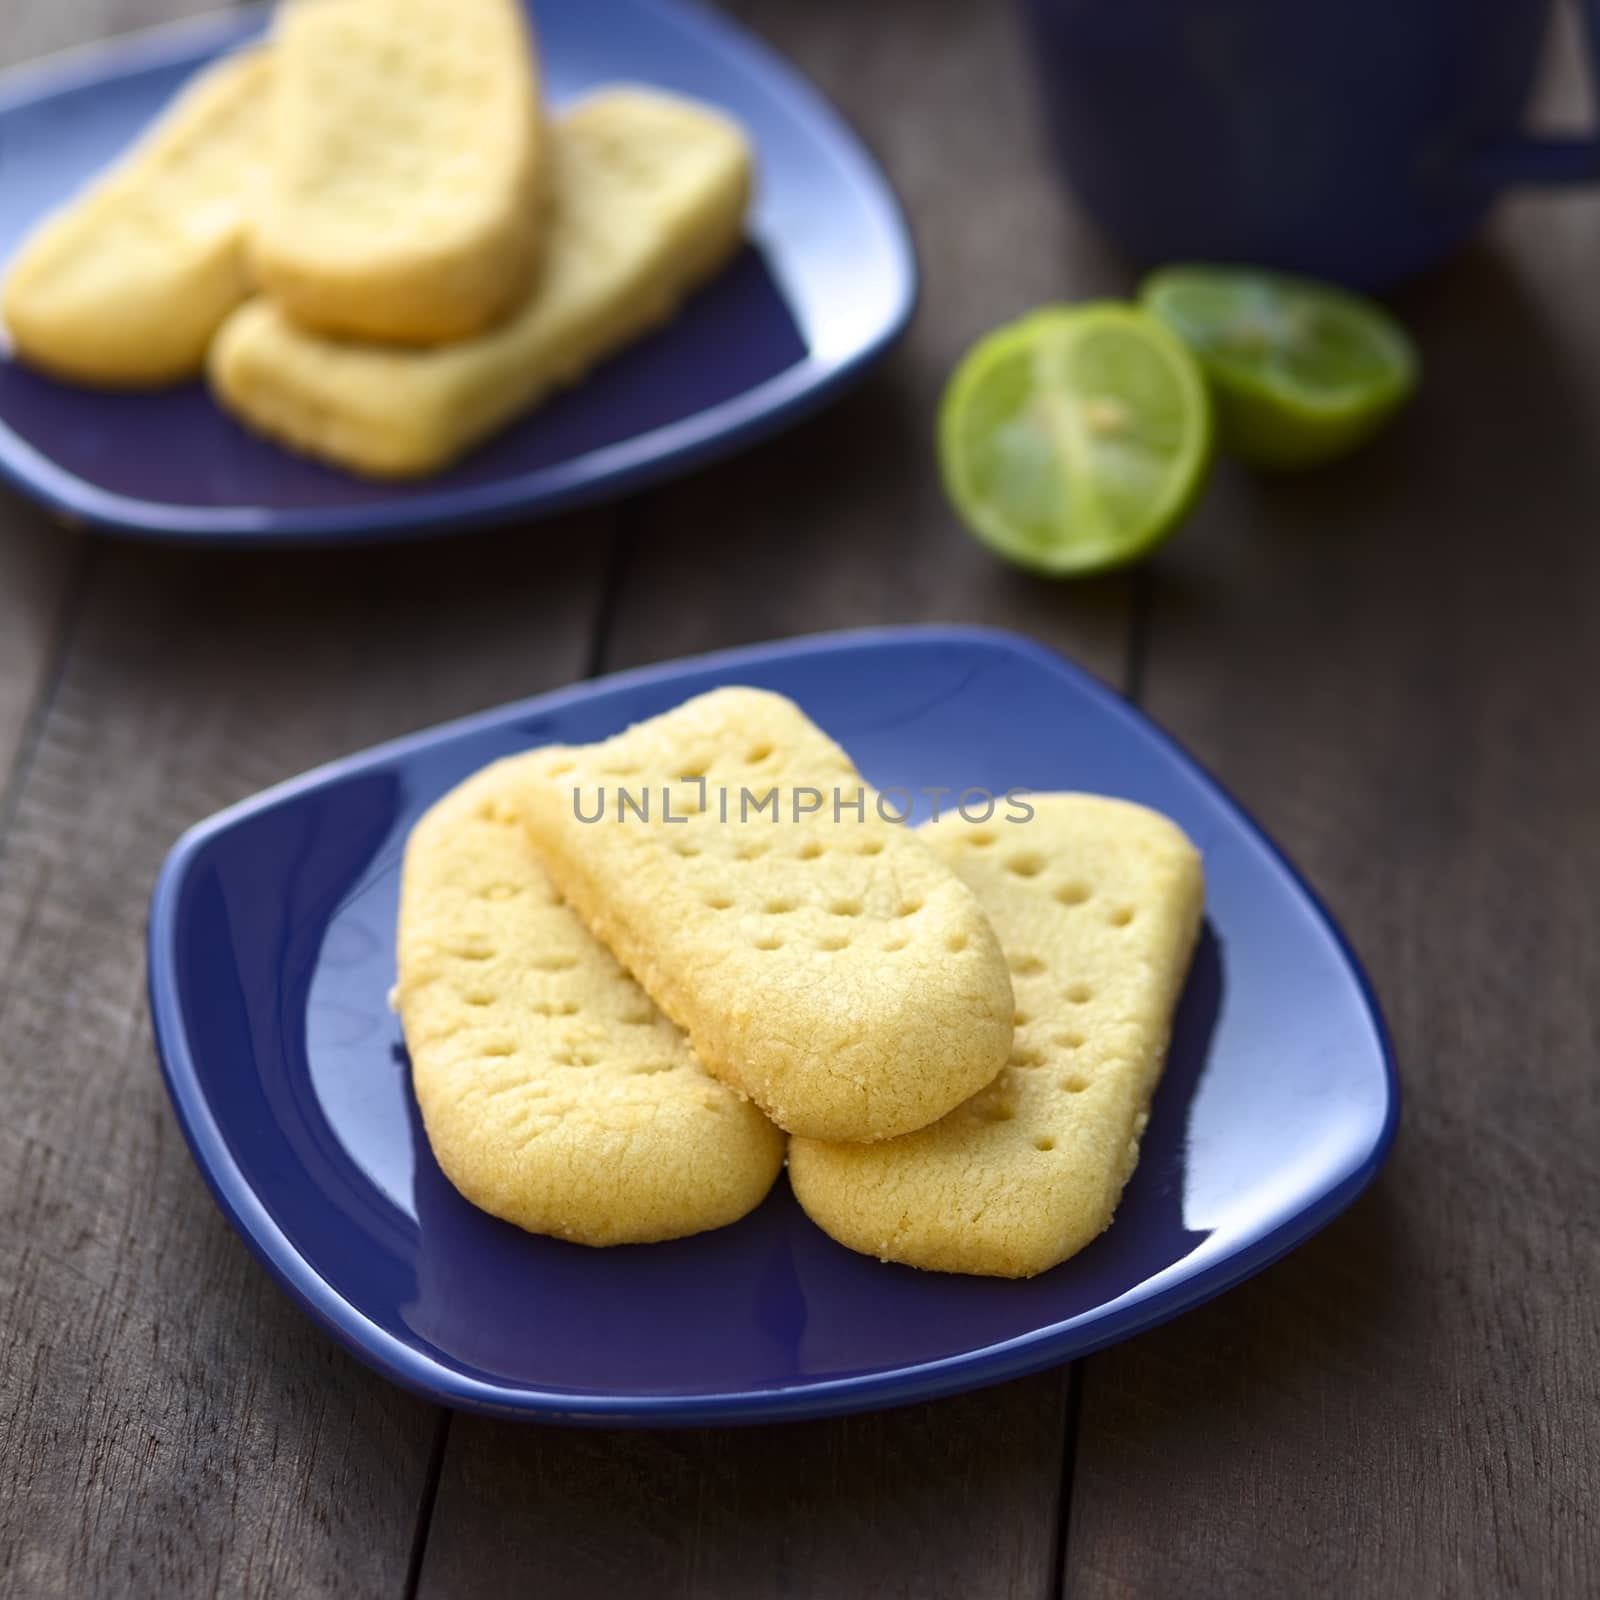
{"points": [[370, 236], [628, 970]]}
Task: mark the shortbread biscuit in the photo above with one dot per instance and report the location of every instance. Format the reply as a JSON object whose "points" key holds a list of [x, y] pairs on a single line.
{"points": [[127, 284], [404, 201], [1097, 903], [648, 199], [827, 965], [553, 1092]]}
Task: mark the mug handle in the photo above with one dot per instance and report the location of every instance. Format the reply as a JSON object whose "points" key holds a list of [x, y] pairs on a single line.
{"points": [[1551, 160]]}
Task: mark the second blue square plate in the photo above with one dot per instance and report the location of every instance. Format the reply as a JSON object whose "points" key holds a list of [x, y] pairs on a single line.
{"points": [[271, 958], [825, 285]]}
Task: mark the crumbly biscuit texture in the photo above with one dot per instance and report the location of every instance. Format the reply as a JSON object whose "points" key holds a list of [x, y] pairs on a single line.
{"points": [[1097, 903], [408, 156], [554, 1094], [648, 199], [126, 285], [827, 965]]}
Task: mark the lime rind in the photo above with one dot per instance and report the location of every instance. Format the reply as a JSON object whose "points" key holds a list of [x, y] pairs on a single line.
{"points": [[1074, 439]]}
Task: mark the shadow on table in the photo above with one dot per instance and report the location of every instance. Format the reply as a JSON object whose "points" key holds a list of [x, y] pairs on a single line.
{"points": [[1327, 1315]]}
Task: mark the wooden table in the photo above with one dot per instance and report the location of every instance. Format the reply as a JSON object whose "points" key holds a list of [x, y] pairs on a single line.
{"points": [[1394, 663]]}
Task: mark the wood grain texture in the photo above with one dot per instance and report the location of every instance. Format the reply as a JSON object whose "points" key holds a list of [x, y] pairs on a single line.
{"points": [[38, 557], [171, 1424], [1394, 662], [839, 523], [949, 1500], [38, 563]]}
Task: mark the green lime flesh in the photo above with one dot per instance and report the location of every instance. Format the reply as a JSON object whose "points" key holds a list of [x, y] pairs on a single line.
{"points": [[1074, 439]]}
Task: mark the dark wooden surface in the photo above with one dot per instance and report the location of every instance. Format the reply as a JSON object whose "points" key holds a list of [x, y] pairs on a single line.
{"points": [[1394, 663]]}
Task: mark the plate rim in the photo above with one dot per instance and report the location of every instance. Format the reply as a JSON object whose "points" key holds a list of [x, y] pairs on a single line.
{"points": [[1149, 1304], [416, 510]]}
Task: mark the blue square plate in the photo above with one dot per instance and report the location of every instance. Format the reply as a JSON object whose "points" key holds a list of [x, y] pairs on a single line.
{"points": [[272, 952], [825, 286]]}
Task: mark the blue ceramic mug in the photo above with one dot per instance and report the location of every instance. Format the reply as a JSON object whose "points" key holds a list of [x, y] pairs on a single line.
{"points": [[1359, 140]]}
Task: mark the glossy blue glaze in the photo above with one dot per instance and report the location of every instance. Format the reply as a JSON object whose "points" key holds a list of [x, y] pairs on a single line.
{"points": [[1360, 140], [826, 285], [272, 952]]}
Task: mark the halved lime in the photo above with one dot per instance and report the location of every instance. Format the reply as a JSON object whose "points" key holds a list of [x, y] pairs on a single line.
{"points": [[1301, 371], [1074, 439]]}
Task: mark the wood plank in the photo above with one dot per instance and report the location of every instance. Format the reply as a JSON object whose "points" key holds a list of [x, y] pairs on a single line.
{"points": [[841, 522], [1393, 663], [38, 557], [172, 1425], [38, 561], [956, 1499]]}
